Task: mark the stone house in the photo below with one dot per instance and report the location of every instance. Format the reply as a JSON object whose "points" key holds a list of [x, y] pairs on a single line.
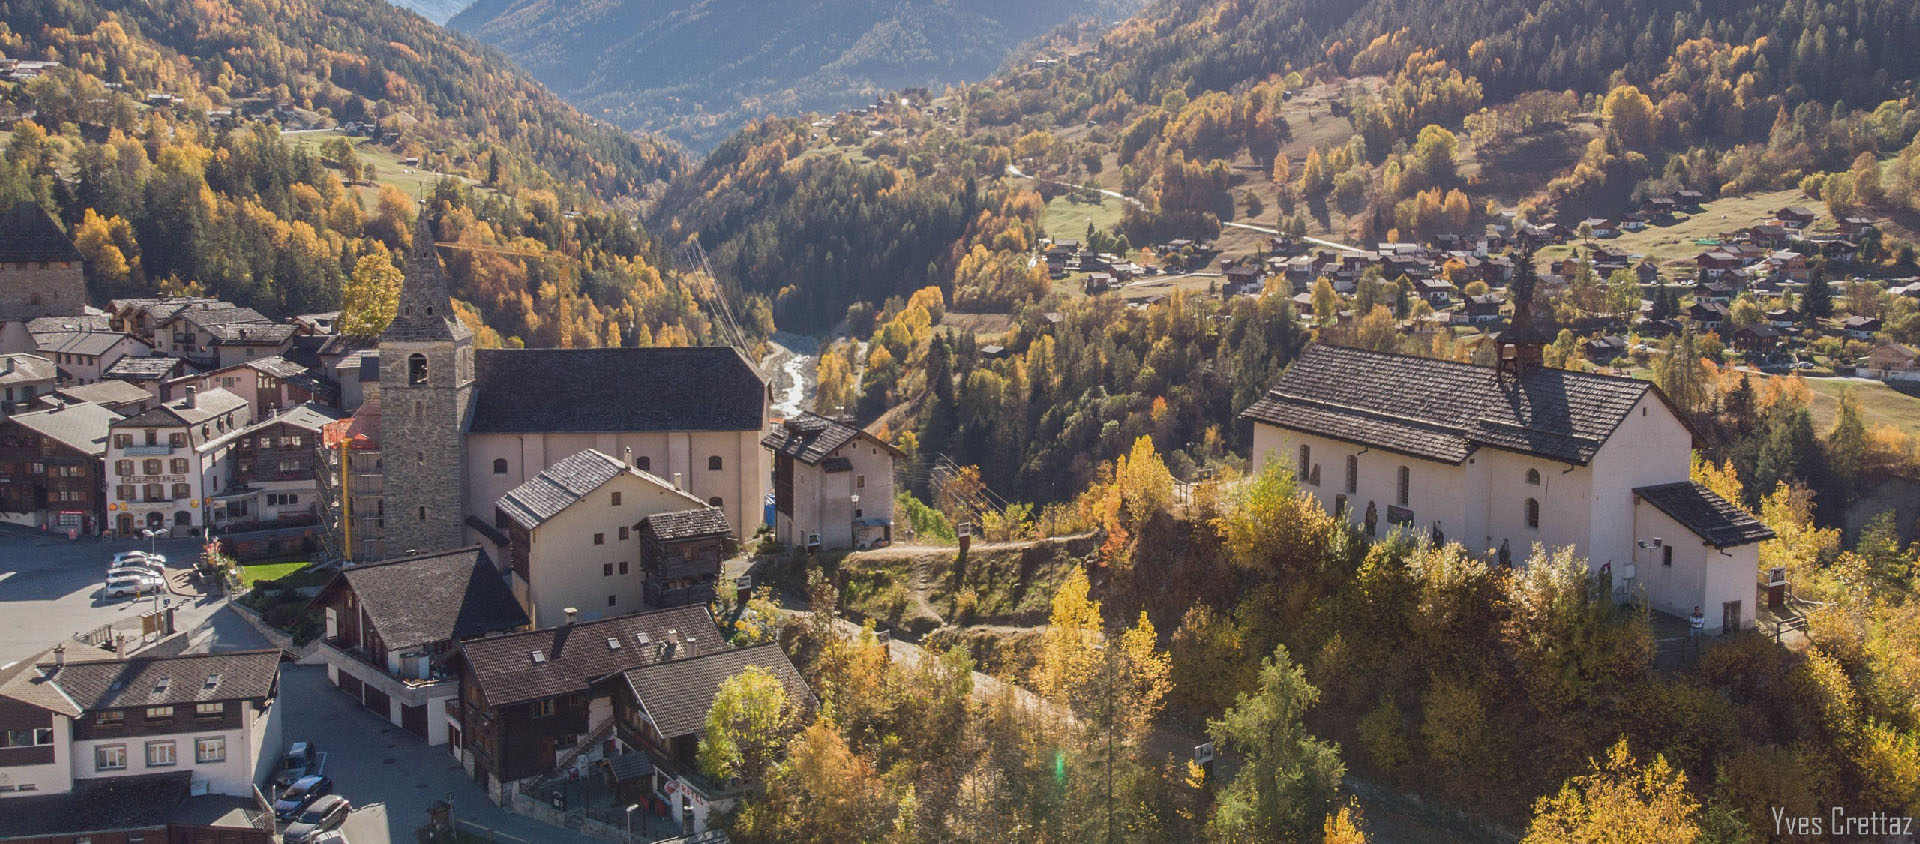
{"points": [[165, 462], [22, 378], [276, 465], [1510, 458], [51, 468], [832, 484], [40, 271], [391, 625], [572, 536]]}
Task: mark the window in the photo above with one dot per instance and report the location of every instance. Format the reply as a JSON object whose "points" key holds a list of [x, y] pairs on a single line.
{"points": [[124, 492], [1340, 506], [623, 566], [1406, 484], [160, 754], [643, 463], [1533, 477], [150, 467], [178, 465], [1533, 512], [110, 757], [423, 514], [417, 369], [159, 713], [858, 512], [1666, 555], [599, 539], [606, 569], [210, 749], [611, 599], [500, 465], [123, 467], [177, 440], [625, 532], [123, 441], [1306, 460], [859, 481], [154, 492], [109, 718], [181, 491], [27, 738], [153, 436], [716, 501], [209, 710], [714, 463], [1353, 474], [542, 708]]}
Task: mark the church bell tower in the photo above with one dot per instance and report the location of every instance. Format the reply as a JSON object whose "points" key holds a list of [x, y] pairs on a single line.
{"points": [[426, 392]]}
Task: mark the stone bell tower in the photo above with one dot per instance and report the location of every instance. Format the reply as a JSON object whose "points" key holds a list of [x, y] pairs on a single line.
{"points": [[426, 394]]}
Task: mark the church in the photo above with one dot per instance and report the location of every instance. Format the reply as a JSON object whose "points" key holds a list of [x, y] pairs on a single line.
{"points": [[450, 428], [1503, 458]]}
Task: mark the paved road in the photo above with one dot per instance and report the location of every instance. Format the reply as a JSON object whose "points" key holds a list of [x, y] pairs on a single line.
{"points": [[372, 761], [1016, 173], [50, 589]]}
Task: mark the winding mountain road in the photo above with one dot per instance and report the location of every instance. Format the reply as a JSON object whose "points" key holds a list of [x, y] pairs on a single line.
{"points": [[1017, 173]]}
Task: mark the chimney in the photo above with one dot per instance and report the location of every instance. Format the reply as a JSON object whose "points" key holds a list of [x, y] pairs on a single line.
{"points": [[572, 614], [692, 651], [668, 646], [59, 655], [676, 481], [190, 396], [9, 364], [626, 456]]}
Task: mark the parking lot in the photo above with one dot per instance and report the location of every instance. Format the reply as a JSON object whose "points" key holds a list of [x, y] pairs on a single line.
{"points": [[50, 589]]}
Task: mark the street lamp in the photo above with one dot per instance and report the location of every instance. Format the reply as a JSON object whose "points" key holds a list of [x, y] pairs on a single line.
{"points": [[631, 808], [149, 534]]}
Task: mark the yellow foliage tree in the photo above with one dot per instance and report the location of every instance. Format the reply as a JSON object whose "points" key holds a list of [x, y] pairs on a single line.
{"points": [[1619, 801]]}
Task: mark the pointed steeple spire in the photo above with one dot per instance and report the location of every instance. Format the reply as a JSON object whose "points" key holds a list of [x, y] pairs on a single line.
{"points": [[426, 308], [1521, 345]]}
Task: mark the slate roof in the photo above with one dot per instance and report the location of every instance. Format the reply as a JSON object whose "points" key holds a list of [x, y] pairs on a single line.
{"points": [[108, 391], [97, 805], [543, 496], [426, 309], [677, 694], [93, 343], [22, 682], [705, 522], [251, 334], [809, 437], [694, 388], [210, 319], [81, 427], [447, 596], [1443, 410], [131, 683], [81, 322], [309, 416], [1718, 521], [132, 368], [573, 656], [206, 405], [26, 369], [28, 233]]}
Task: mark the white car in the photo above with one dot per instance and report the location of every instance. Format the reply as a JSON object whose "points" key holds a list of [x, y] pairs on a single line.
{"points": [[134, 584], [140, 556], [136, 568]]}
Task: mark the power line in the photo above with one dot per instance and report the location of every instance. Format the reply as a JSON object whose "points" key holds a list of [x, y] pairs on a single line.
{"points": [[695, 254]]}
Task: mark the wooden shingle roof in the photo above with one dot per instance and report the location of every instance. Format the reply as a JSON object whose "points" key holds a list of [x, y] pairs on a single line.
{"points": [[571, 657], [677, 694], [443, 597]]}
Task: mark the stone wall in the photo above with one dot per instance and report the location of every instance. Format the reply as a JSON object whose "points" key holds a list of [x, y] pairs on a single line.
{"points": [[33, 290]]}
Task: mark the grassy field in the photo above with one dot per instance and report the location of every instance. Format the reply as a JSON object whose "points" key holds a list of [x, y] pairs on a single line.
{"points": [[413, 181], [272, 570], [1879, 404], [1066, 217], [1673, 245]]}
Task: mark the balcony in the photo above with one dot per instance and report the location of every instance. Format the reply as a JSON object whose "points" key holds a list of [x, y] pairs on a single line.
{"points": [[358, 662], [147, 450]]}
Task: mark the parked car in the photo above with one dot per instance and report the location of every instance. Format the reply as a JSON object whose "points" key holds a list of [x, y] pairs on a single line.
{"points": [[324, 814], [300, 795], [134, 584], [301, 760], [140, 556], [136, 567]]}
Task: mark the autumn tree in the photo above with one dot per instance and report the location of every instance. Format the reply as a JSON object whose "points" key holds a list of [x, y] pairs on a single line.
{"points": [[371, 296], [749, 719], [1629, 116], [1288, 780], [1619, 801]]}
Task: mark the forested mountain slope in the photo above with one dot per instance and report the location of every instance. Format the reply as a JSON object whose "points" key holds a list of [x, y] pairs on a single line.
{"points": [[697, 71]]}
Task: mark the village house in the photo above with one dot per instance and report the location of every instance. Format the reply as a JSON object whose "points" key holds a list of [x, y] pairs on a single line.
{"points": [[142, 317], [211, 716], [1853, 228], [1605, 348], [1893, 362], [1788, 265], [1783, 318], [1760, 341], [1860, 327], [1600, 227], [571, 536], [166, 806], [267, 384], [164, 462], [681, 554], [660, 710], [1715, 263], [528, 704], [22, 378], [85, 356], [1483, 308], [1507, 458], [276, 468], [391, 625], [200, 335], [832, 484], [149, 373], [320, 324], [1690, 200], [1707, 315], [1795, 217], [51, 468]]}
